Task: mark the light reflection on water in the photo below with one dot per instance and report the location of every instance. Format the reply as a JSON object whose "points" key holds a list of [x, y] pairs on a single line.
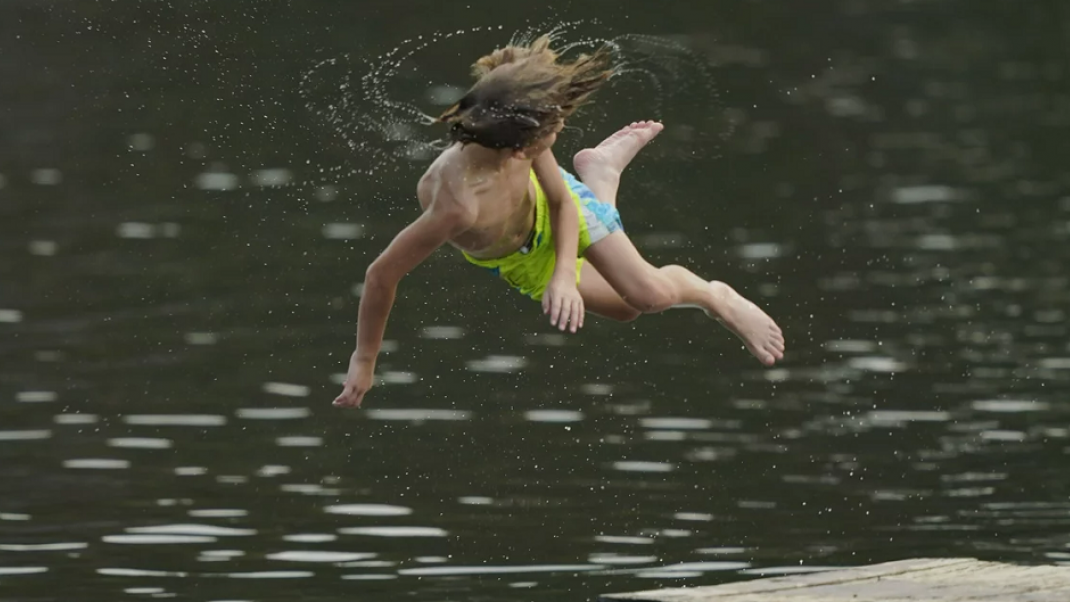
{"points": [[318, 556]]}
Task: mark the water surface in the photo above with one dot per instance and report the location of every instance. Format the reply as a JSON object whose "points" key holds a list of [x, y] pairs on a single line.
{"points": [[181, 248]]}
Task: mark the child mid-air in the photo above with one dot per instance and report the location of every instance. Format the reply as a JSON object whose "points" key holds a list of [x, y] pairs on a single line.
{"points": [[498, 196]]}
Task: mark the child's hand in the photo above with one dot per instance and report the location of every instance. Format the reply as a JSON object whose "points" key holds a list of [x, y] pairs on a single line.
{"points": [[563, 303], [358, 382]]}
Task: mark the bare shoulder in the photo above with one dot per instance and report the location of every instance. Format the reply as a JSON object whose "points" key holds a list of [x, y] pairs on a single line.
{"points": [[442, 197], [427, 187]]}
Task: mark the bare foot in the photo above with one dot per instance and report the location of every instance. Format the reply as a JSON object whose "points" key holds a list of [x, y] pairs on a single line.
{"points": [[762, 337], [600, 167]]}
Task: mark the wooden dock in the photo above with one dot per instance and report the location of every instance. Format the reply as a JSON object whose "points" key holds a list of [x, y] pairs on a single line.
{"points": [[918, 580]]}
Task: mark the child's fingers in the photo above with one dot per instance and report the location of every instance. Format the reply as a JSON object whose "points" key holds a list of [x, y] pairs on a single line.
{"points": [[555, 318], [341, 399], [350, 398]]}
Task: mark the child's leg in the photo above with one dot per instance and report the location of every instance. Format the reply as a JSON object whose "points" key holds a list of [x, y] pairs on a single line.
{"points": [[649, 289], [600, 167], [600, 298], [616, 282]]}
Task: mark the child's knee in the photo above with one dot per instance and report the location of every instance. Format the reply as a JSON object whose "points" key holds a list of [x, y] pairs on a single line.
{"points": [[651, 296]]}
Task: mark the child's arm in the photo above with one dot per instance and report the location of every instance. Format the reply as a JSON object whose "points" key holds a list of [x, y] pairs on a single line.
{"points": [[410, 247], [562, 299]]}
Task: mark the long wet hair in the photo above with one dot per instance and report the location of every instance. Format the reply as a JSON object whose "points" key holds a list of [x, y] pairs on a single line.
{"points": [[523, 92]]}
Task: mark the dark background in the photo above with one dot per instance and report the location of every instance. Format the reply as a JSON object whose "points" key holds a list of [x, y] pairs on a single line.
{"points": [[187, 203]]}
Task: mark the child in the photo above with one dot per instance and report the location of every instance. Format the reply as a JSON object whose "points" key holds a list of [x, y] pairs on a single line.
{"points": [[499, 197]]}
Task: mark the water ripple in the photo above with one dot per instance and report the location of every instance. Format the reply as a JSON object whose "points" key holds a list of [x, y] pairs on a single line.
{"points": [[391, 531], [417, 415], [643, 466], [11, 571], [25, 435], [192, 529], [443, 571], [157, 539], [368, 510], [553, 416], [272, 413], [318, 556], [43, 547], [1009, 406], [270, 575], [198, 420], [97, 464]]}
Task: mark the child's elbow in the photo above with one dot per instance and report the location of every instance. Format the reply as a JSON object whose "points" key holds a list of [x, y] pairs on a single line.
{"points": [[380, 276]]}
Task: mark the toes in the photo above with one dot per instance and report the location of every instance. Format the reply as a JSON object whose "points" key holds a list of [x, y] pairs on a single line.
{"points": [[770, 353], [764, 355]]}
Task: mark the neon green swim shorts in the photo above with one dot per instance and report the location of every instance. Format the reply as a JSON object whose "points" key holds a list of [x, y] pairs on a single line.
{"points": [[529, 269]]}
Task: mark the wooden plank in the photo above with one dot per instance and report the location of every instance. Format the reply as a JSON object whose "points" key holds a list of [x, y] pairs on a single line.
{"points": [[916, 580]]}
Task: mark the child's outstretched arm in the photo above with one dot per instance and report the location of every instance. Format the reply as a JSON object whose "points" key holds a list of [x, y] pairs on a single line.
{"points": [[440, 222], [561, 300]]}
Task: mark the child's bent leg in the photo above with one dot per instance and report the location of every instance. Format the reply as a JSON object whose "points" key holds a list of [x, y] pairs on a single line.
{"points": [[652, 290], [600, 298], [600, 167]]}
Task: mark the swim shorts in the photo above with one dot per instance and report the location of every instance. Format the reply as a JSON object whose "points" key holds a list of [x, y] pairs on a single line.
{"points": [[529, 269]]}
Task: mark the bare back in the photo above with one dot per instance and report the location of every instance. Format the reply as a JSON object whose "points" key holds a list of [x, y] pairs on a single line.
{"points": [[502, 201]]}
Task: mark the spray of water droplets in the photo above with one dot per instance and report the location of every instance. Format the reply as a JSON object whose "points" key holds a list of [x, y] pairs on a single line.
{"points": [[359, 99], [352, 96]]}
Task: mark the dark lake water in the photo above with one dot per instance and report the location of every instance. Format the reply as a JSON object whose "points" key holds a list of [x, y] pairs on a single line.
{"points": [[188, 204]]}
